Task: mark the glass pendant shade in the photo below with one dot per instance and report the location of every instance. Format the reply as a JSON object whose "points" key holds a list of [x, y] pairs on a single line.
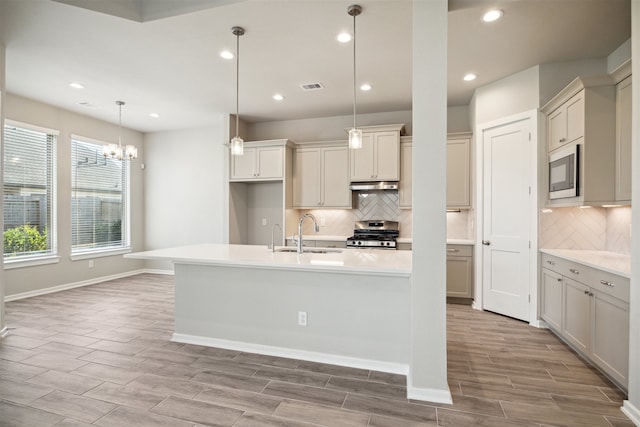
{"points": [[237, 146], [355, 138], [115, 151]]}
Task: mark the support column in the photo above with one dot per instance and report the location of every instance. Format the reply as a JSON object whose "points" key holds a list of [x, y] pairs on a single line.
{"points": [[428, 371]]}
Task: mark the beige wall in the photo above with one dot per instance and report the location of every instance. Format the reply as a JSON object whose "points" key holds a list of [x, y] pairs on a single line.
{"points": [[68, 272]]}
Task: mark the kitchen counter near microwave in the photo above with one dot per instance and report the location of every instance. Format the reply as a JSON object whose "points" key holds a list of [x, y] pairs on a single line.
{"points": [[611, 262]]}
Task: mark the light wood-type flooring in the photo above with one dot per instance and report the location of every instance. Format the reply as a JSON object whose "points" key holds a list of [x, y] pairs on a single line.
{"points": [[102, 355]]}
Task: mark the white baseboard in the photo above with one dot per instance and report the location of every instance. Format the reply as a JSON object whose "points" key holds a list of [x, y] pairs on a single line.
{"points": [[67, 286], [156, 271], [631, 411], [333, 359], [429, 395], [539, 323]]}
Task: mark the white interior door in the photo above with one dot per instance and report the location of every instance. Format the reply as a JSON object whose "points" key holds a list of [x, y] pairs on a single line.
{"points": [[505, 250]]}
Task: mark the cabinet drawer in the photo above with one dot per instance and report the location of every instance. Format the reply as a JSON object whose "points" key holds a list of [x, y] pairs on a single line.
{"points": [[610, 284], [459, 250]]}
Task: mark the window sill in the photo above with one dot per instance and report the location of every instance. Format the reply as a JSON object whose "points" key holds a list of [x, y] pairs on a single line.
{"points": [[99, 253], [10, 264]]}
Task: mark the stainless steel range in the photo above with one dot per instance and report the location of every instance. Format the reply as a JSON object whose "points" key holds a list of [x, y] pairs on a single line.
{"points": [[380, 234]]}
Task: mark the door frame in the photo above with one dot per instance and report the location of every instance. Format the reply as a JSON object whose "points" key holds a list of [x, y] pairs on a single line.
{"points": [[535, 156]]}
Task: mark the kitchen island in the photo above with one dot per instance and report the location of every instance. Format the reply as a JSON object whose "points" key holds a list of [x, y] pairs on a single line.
{"points": [[349, 308]]}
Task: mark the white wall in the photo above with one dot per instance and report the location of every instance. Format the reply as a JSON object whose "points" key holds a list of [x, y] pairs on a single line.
{"points": [[619, 56], [427, 379], [2, 87], [632, 405], [332, 128], [184, 179], [68, 272]]}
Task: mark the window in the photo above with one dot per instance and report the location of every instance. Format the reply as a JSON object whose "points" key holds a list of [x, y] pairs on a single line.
{"points": [[99, 199], [29, 192]]}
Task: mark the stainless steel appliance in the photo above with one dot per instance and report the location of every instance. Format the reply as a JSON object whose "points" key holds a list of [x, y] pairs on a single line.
{"points": [[376, 234], [563, 173]]}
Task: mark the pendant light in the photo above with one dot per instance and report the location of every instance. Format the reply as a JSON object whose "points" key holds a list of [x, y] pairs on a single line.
{"points": [[355, 134], [115, 151], [237, 144]]}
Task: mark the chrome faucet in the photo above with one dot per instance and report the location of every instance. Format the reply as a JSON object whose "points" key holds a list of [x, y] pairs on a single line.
{"points": [[273, 245], [316, 228]]}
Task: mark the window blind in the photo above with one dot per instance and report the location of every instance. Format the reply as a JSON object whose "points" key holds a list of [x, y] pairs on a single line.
{"points": [[29, 192], [99, 211]]}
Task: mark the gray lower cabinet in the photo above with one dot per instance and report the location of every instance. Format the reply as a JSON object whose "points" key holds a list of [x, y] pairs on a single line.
{"points": [[589, 309], [460, 271]]}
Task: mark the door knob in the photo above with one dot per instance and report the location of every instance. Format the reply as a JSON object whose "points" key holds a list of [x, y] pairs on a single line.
{"points": [[486, 242]]}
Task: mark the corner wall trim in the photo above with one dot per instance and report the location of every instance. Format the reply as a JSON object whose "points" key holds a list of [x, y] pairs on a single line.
{"points": [[352, 362], [67, 286], [631, 411], [429, 395]]}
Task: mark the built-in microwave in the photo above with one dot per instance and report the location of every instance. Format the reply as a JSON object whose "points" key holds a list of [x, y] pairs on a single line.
{"points": [[563, 172]]}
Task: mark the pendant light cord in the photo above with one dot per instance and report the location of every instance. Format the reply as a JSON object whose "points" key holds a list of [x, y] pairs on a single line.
{"points": [[237, 79], [354, 70]]}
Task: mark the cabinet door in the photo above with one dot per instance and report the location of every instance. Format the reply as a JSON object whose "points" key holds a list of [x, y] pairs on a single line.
{"points": [[551, 310], [610, 339], [270, 162], [405, 187], [575, 117], [458, 173], [244, 167], [459, 279], [557, 128], [623, 140], [335, 178], [362, 160], [387, 156], [306, 178], [576, 327]]}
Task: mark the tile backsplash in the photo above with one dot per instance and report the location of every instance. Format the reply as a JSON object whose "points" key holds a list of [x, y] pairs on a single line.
{"points": [[383, 205], [595, 228]]}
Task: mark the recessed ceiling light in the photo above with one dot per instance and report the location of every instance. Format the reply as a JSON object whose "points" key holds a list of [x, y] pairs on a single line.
{"points": [[227, 54], [76, 85], [492, 15], [365, 87], [344, 37], [278, 97], [469, 77], [154, 115]]}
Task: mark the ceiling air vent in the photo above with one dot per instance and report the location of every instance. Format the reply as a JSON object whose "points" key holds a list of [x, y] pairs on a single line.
{"points": [[311, 86]]}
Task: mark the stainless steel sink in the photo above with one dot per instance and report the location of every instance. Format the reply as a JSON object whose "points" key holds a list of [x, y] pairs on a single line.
{"points": [[311, 250]]}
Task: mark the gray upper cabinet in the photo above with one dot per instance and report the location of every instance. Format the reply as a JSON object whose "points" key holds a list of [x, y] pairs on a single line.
{"points": [[261, 161], [459, 171], [623, 141], [584, 114], [379, 157]]}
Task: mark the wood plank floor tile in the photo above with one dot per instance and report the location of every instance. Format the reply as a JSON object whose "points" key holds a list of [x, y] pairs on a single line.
{"points": [[69, 405], [197, 411], [112, 343], [319, 414], [18, 415]]}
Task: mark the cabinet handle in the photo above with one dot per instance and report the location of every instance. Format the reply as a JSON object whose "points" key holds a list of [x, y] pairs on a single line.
{"points": [[453, 250], [551, 262], [559, 279], [562, 139], [590, 294], [486, 242], [574, 271], [609, 284]]}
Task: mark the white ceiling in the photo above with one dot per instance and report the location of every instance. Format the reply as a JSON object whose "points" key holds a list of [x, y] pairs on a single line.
{"points": [[162, 55]]}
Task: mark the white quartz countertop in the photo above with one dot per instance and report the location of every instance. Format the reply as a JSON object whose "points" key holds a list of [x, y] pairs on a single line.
{"points": [[611, 262], [347, 261]]}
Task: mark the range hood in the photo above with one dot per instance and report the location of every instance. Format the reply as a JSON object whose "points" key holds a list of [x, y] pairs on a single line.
{"points": [[374, 185]]}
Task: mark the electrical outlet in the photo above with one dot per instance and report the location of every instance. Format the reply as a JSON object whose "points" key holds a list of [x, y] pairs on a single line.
{"points": [[90, 263], [302, 318], [323, 223], [264, 221]]}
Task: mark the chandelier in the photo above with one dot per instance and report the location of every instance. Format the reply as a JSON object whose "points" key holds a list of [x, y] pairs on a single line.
{"points": [[117, 151]]}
